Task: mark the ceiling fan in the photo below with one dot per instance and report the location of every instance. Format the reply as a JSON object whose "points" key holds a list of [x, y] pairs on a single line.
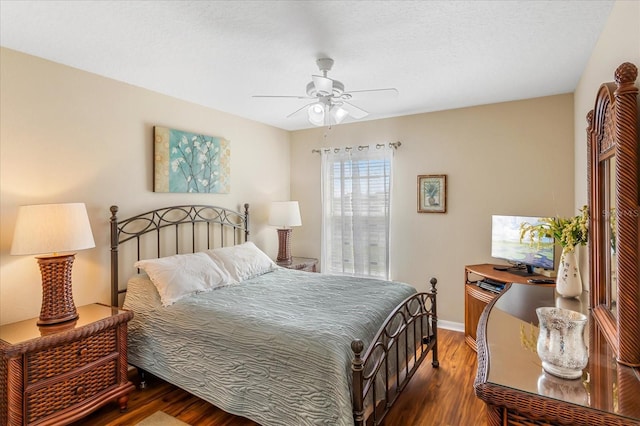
{"points": [[330, 101]]}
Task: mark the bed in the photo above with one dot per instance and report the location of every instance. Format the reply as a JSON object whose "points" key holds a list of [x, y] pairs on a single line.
{"points": [[275, 345]]}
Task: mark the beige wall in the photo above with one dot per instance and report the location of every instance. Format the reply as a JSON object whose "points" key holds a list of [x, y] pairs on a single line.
{"points": [[619, 42], [440, 143], [68, 135], [71, 136], [508, 158]]}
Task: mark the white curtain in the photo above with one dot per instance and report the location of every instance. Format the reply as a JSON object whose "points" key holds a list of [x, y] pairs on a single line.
{"points": [[356, 200]]}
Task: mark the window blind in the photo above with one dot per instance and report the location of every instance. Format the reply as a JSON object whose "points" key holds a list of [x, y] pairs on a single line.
{"points": [[356, 199]]}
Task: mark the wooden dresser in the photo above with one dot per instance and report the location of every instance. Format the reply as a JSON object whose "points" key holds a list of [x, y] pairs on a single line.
{"points": [[58, 374], [517, 391]]}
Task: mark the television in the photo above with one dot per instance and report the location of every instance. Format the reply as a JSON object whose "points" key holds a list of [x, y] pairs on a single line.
{"points": [[523, 256]]}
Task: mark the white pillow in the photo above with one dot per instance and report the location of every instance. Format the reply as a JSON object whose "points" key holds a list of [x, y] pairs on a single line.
{"points": [[183, 274], [243, 261]]}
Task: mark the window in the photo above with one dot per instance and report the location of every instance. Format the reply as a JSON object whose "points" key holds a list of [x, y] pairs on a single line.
{"points": [[356, 194]]}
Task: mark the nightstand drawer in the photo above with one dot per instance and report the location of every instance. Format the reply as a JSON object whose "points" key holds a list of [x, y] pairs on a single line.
{"points": [[42, 401], [69, 356]]}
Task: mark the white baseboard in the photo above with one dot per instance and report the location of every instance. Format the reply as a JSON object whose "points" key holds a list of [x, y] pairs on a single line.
{"points": [[450, 325]]}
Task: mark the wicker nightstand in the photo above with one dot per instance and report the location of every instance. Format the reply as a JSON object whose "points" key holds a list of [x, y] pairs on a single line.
{"points": [[302, 264], [58, 374]]}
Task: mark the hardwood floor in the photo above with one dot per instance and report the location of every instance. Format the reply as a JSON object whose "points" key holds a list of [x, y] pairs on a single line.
{"points": [[434, 397]]}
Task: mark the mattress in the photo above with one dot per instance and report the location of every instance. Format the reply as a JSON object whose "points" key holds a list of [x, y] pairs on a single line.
{"points": [[274, 349]]}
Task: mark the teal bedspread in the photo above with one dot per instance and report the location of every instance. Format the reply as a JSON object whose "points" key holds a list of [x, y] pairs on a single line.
{"points": [[274, 349]]}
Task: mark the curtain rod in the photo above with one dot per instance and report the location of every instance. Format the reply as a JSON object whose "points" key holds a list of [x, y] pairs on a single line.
{"points": [[393, 145]]}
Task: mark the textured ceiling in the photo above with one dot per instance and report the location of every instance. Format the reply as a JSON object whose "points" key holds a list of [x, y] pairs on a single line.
{"points": [[438, 54]]}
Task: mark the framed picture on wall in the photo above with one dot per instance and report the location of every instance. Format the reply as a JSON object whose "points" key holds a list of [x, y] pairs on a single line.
{"points": [[432, 193], [190, 162]]}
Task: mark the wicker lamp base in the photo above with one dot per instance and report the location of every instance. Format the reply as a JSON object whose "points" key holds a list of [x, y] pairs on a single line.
{"points": [[57, 297], [284, 246]]}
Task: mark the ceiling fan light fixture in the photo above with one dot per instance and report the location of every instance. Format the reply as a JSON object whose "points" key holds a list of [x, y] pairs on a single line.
{"points": [[338, 113], [316, 114]]}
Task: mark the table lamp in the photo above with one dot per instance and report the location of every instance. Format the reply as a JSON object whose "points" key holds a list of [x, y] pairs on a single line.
{"points": [[53, 230], [284, 215]]}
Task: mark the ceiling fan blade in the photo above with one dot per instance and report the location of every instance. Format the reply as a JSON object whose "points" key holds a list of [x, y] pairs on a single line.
{"points": [[281, 96], [392, 91], [299, 109], [354, 111], [323, 85]]}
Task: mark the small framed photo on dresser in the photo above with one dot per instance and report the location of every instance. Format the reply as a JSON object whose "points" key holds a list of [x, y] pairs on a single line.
{"points": [[432, 193]]}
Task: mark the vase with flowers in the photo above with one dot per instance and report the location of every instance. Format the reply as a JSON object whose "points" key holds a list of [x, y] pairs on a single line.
{"points": [[568, 233]]}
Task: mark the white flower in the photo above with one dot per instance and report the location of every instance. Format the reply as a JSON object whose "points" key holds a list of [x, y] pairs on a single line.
{"points": [[175, 164], [567, 232]]}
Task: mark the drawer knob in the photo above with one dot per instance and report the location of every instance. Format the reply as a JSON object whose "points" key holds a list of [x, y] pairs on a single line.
{"points": [[83, 351], [80, 390]]}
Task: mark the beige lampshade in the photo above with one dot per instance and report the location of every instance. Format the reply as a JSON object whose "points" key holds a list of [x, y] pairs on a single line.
{"points": [[52, 228], [285, 214]]}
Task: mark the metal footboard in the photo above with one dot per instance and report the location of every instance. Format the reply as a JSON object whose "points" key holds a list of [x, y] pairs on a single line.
{"points": [[406, 337]]}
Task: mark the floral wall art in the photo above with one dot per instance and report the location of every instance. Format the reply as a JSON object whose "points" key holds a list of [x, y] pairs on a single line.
{"points": [[189, 162]]}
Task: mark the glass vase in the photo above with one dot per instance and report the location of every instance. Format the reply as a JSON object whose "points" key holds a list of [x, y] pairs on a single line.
{"points": [[568, 281], [561, 346]]}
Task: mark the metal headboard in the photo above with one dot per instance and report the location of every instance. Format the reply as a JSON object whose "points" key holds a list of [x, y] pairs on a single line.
{"points": [[211, 218]]}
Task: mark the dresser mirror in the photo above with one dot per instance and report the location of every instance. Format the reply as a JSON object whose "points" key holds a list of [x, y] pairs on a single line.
{"points": [[610, 237], [612, 137], [608, 241]]}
